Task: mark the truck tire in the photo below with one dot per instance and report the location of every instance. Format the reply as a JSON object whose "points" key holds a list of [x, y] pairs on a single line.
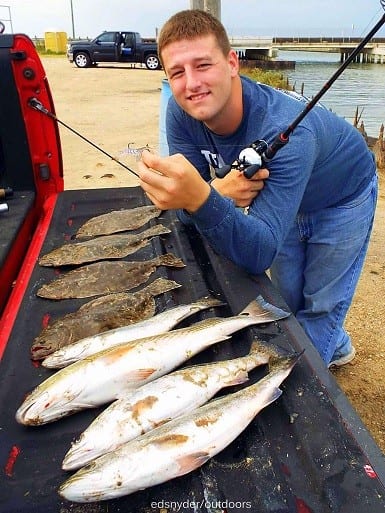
{"points": [[82, 60], [152, 61]]}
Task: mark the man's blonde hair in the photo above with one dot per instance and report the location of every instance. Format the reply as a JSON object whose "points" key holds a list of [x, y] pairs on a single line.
{"points": [[191, 24]]}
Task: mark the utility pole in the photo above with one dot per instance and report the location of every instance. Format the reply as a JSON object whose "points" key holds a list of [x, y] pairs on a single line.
{"points": [[197, 4], [72, 19], [211, 6]]}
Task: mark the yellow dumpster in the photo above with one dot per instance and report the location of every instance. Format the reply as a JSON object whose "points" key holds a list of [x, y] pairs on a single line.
{"points": [[55, 42]]}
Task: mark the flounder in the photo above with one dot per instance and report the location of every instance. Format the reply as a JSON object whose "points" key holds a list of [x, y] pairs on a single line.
{"points": [[105, 278], [101, 248], [118, 221]]}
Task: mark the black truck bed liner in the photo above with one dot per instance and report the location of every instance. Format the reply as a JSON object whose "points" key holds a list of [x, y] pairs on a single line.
{"points": [[308, 452], [21, 204]]}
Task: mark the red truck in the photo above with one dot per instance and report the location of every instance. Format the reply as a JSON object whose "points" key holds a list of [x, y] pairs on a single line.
{"points": [[308, 452]]}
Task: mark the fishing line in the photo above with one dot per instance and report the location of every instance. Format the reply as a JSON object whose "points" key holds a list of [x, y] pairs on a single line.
{"points": [[37, 105]]}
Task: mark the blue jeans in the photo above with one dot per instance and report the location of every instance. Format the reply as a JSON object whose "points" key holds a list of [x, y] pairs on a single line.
{"points": [[319, 265]]}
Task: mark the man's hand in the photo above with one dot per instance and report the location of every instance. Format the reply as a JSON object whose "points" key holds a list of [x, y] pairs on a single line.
{"points": [[242, 190], [172, 182]]}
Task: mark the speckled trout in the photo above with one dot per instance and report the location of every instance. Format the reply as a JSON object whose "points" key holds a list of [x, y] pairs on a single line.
{"points": [[156, 325], [109, 374], [177, 447], [160, 401]]}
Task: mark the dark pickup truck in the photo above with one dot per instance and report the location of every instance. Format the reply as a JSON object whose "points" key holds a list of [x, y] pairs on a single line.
{"points": [[308, 452], [115, 46]]}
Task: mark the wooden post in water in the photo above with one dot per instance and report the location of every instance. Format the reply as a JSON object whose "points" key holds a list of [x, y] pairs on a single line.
{"points": [[379, 149]]}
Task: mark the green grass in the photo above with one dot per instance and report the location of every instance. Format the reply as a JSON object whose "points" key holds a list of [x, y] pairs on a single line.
{"points": [[271, 78], [49, 53]]}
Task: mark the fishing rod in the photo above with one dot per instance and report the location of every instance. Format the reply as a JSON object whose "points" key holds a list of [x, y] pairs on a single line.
{"points": [[37, 105], [252, 158]]}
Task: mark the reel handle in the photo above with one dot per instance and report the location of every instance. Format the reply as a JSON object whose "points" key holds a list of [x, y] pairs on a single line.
{"points": [[221, 172], [250, 171]]}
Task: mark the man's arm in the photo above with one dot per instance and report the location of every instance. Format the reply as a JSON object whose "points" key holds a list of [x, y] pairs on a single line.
{"points": [[173, 183], [240, 189], [177, 184]]}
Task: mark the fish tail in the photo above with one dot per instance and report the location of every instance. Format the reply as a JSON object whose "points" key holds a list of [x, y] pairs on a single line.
{"points": [[279, 363], [159, 286], [158, 229], [262, 351], [264, 311], [169, 260]]}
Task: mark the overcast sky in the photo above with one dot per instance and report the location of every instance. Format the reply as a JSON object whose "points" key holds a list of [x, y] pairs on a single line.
{"points": [[345, 18]]}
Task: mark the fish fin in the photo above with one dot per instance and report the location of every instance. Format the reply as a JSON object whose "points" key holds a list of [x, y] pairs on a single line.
{"points": [[169, 260], [273, 396], [141, 374], [153, 231], [192, 461], [159, 286], [264, 311], [138, 375]]}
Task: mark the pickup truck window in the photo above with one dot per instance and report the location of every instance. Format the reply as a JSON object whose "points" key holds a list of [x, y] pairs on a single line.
{"points": [[106, 37], [129, 40]]}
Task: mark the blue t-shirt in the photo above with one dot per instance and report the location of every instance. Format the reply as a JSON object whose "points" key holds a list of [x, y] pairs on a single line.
{"points": [[326, 163]]}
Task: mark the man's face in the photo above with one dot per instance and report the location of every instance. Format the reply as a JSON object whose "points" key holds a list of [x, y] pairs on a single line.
{"points": [[200, 77]]}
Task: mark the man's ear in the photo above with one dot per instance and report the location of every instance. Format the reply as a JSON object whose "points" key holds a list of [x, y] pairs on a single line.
{"points": [[233, 62]]}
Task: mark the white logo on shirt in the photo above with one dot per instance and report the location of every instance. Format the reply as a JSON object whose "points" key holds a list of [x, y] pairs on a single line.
{"points": [[214, 159]]}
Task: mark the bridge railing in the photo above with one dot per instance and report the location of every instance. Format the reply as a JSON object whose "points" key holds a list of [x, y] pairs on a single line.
{"points": [[322, 39]]}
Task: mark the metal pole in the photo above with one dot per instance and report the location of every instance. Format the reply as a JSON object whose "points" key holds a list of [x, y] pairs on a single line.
{"points": [[72, 18]]}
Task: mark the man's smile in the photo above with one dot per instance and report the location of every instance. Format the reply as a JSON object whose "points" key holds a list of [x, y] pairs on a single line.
{"points": [[197, 97]]}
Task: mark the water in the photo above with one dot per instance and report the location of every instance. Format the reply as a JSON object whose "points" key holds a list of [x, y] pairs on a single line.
{"points": [[360, 85]]}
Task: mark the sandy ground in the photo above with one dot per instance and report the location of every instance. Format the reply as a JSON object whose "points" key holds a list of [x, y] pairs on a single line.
{"points": [[117, 107]]}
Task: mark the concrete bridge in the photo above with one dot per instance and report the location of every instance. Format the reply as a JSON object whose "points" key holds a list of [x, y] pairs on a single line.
{"points": [[374, 50], [264, 48]]}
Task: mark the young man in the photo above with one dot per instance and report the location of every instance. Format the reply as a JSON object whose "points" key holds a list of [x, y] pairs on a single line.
{"points": [[309, 217]]}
